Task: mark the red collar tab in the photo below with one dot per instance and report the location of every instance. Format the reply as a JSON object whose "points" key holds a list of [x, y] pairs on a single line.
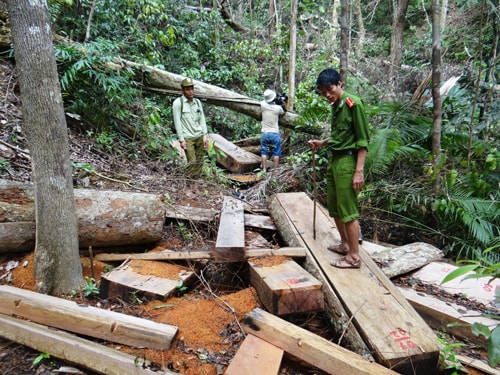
{"points": [[349, 102]]}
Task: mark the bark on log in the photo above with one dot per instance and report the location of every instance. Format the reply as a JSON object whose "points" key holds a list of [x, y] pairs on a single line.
{"points": [[105, 218], [170, 83]]}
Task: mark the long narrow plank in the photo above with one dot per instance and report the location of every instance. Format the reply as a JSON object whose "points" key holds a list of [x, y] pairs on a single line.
{"points": [[86, 320], [336, 311], [231, 234], [210, 214], [394, 331], [448, 316], [186, 255], [303, 344], [255, 356], [71, 348]]}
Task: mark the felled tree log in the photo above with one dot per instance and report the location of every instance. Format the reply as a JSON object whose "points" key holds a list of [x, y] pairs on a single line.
{"points": [[170, 83], [105, 218]]}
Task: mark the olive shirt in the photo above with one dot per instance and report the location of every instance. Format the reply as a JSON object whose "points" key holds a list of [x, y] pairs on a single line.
{"points": [[189, 119], [349, 127]]}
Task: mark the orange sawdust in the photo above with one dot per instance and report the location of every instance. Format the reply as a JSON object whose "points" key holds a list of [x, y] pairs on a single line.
{"points": [[203, 323], [158, 269], [269, 261]]}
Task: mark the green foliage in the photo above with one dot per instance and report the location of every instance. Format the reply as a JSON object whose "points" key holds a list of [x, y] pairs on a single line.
{"points": [[40, 358], [185, 233], [90, 289], [448, 356]]}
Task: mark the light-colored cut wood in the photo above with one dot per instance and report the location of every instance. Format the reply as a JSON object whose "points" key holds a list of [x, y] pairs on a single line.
{"points": [[234, 158], [193, 255], [448, 316], [71, 348], [86, 320], [286, 288], [303, 344], [255, 357], [123, 281], [231, 234], [390, 326]]}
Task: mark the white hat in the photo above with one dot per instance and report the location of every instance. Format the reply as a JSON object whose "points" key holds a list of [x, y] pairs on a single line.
{"points": [[269, 95]]}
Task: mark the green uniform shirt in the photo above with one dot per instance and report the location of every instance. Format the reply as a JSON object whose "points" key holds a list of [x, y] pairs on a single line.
{"points": [[349, 128], [189, 119]]}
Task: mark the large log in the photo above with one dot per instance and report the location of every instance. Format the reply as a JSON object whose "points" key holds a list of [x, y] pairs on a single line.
{"points": [[105, 218], [86, 320], [170, 83]]}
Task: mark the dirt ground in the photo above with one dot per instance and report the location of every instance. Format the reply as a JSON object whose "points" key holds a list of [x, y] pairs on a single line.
{"points": [[208, 313]]}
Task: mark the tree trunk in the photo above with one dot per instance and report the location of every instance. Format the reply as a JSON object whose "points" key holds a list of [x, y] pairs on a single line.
{"points": [[436, 95], [105, 218], [169, 83], [398, 23], [57, 262], [293, 55], [344, 40]]}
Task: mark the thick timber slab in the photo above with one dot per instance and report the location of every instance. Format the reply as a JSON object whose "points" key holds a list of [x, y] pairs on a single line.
{"points": [[235, 159], [74, 349], [128, 278], [86, 320], [255, 356], [285, 288], [396, 334], [231, 234], [303, 344]]}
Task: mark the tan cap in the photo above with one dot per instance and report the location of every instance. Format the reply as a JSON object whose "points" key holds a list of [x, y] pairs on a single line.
{"points": [[186, 82]]}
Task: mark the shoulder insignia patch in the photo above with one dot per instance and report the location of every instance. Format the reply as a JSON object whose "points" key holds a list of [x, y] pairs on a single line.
{"points": [[349, 102]]}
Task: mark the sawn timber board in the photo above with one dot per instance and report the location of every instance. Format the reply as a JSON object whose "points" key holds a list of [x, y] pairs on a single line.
{"points": [[392, 329]]}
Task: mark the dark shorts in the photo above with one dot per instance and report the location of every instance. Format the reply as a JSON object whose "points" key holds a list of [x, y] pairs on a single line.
{"points": [[270, 144], [342, 199]]}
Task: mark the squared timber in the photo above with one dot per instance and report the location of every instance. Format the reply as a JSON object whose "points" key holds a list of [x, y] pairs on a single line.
{"points": [[286, 288], [231, 233], [234, 158], [397, 336]]}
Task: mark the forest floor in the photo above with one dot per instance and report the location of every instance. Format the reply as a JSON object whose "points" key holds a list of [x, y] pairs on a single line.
{"points": [[209, 332]]}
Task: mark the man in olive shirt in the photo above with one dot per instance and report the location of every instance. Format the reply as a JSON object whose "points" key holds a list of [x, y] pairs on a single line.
{"points": [[191, 128], [348, 145]]}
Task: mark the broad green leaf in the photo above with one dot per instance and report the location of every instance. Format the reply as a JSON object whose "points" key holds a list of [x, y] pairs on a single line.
{"points": [[459, 272]]}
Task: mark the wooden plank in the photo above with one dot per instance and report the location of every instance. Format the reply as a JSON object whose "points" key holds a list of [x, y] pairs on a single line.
{"points": [[339, 318], [255, 356], [236, 159], [396, 334], [480, 290], [286, 288], [478, 365], [210, 214], [86, 320], [305, 345], [231, 234], [71, 348], [440, 314], [193, 255], [124, 280]]}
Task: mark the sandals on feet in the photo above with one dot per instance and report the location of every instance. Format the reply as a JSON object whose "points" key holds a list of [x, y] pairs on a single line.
{"points": [[346, 263], [339, 249]]}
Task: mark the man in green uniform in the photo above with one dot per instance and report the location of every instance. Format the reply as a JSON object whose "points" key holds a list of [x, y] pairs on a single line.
{"points": [[191, 128], [347, 144]]}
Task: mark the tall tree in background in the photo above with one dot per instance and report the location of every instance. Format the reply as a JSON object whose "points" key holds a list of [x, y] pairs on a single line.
{"points": [[57, 263], [293, 54], [344, 40], [398, 24], [436, 95]]}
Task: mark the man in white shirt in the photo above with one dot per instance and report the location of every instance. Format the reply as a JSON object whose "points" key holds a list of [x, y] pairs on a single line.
{"points": [[270, 140]]}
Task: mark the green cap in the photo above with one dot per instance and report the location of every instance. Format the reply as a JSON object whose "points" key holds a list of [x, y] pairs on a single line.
{"points": [[186, 82]]}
